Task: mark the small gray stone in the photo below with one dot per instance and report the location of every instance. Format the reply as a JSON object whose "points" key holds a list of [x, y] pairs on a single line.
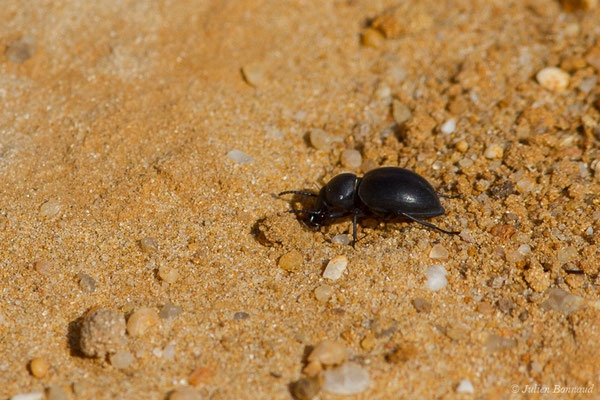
{"points": [[21, 49], [240, 315], [169, 311], [422, 305], [86, 282]]}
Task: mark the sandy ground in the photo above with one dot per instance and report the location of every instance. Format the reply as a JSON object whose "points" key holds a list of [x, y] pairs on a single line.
{"points": [[116, 118]]}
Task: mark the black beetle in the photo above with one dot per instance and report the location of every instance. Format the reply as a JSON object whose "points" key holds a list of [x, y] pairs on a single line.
{"points": [[385, 192]]}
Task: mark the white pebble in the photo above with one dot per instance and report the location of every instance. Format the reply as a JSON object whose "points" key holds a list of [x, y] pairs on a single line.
{"points": [[50, 208], [342, 239], [351, 158], [436, 277], [28, 396], [465, 386], [524, 249], [588, 84], [448, 127], [239, 157], [121, 359], [347, 379], [335, 268], [494, 151], [553, 78], [322, 140]]}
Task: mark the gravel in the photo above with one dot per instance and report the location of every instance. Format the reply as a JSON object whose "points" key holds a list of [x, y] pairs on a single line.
{"points": [[102, 332], [436, 277], [336, 267], [347, 379], [121, 359], [239, 157], [329, 352], [553, 78], [141, 320]]}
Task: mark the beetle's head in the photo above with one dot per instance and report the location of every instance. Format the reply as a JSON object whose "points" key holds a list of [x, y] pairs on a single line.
{"points": [[335, 197]]}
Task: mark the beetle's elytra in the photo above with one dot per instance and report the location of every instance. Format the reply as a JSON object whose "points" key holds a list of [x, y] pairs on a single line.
{"points": [[385, 192]]}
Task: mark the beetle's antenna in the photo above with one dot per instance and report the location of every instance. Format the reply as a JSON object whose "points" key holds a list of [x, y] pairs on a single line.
{"points": [[429, 225], [447, 196], [297, 192]]}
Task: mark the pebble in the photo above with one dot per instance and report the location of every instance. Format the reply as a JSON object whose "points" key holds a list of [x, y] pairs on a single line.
{"points": [[448, 127], [240, 315], [400, 112], [291, 261], [421, 305], [574, 5], [462, 146], [200, 376], [21, 49], [169, 311], [562, 301], [305, 388], [372, 38], [402, 354], [313, 368], [55, 392], [185, 393], [436, 277], [149, 244], [329, 352], [368, 342], [321, 140], [102, 332], [50, 208], [323, 293], [485, 308], [239, 157], [383, 92], [494, 151], [438, 252], [336, 267], [86, 282], [351, 158], [553, 78], [465, 386], [567, 254], [121, 359], [140, 321], [254, 74], [168, 274], [43, 267], [525, 185], [346, 379], [588, 84], [506, 305], [341, 239], [28, 396], [39, 367], [495, 343]]}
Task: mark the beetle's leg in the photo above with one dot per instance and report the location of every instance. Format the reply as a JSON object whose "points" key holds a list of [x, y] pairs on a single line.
{"points": [[354, 224], [297, 192], [304, 212], [447, 196], [428, 224]]}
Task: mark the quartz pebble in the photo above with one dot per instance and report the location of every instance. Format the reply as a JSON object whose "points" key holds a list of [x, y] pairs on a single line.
{"points": [[168, 274], [351, 158], [400, 112], [38, 367], [140, 321], [567, 254], [305, 388], [495, 343], [121, 359], [336, 267], [494, 151], [438, 252], [448, 127], [436, 277], [43, 267], [562, 301], [50, 208], [185, 393], [341, 239], [347, 379], [102, 332], [421, 305], [329, 352], [28, 396], [239, 157], [240, 315], [462, 146], [465, 386], [553, 78], [291, 261], [169, 311], [86, 282], [55, 392], [323, 293], [321, 140], [148, 244], [588, 84], [254, 73]]}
